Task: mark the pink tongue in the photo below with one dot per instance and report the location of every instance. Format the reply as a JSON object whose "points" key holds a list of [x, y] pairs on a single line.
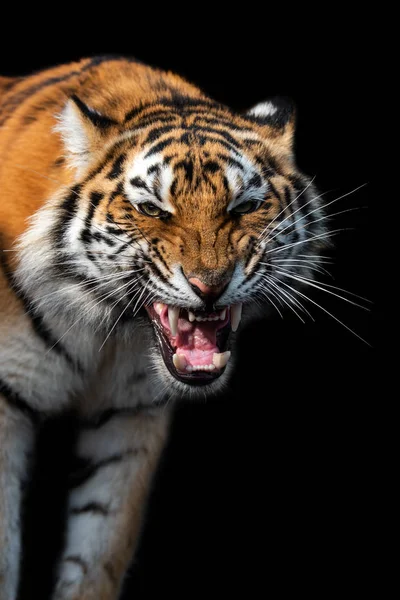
{"points": [[198, 344], [196, 341]]}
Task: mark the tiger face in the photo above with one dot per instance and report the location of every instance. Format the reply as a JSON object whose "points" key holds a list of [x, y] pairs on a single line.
{"points": [[178, 219]]}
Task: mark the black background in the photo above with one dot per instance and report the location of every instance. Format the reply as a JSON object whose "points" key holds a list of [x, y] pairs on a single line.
{"points": [[268, 489]]}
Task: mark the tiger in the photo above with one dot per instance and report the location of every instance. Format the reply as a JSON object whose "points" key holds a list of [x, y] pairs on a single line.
{"points": [[141, 224]]}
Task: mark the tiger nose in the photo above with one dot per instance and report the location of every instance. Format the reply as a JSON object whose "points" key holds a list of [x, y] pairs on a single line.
{"points": [[207, 291]]}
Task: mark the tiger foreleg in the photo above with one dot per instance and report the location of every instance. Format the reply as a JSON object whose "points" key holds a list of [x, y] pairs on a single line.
{"points": [[108, 493], [16, 440]]}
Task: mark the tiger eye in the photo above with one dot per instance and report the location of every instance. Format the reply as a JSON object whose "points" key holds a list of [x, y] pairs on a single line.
{"points": [[246, 207], [150, 209]]}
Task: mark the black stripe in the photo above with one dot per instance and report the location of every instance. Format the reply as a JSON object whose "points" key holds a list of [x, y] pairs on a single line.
{"points": [[161, 276], [234, 162], [93, 507], [203, 139], [211, 166], [88, 469], [276, 193], [187, 166], [69, 208], [288, 198], [37, 320], [161, 259], [255, 181], [155, 118], [154, 134], [140, 183], [220, 120], [227, 136], [116, 169], [207, 180], [176, 102], [16, 401], [102, 418], [160, 146], [16, 100], [99, 121], [95, 199], [274, 165]]}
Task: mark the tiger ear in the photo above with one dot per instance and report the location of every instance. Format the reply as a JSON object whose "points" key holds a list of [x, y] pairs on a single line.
{"points": [[278, 117], [83, 131]]}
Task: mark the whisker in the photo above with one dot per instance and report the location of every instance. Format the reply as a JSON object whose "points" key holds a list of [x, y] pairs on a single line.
{"points": [[319, 287], [111, 234], [321, 236], [106, 279], [291, 298], [89, 309], [109, 310], [325, 311], [286, 207], [265, 293], [122, 312], [319, 258], [290, 216], [313, 211], [304, 263], [281, 293], [330, 216]]}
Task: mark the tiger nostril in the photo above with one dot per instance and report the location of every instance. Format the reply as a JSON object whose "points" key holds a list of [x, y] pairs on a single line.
{"points": [[204, 288], [207, 291]]}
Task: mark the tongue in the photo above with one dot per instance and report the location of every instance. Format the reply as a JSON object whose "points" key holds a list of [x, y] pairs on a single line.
{"points": [[196, 342]]}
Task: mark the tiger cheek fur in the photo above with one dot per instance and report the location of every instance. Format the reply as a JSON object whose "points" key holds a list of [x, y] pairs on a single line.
{"points": [[139, 218]]}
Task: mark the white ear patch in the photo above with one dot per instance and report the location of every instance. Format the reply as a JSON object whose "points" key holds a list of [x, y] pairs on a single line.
{"points": [[263, 109], [75, 138]]}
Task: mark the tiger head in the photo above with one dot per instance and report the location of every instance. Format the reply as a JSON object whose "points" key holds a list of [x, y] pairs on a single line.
{"points": [[185, 215]]}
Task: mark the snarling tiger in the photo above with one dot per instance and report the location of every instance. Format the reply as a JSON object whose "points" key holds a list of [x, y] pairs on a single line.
{"points": [[138, 220]]}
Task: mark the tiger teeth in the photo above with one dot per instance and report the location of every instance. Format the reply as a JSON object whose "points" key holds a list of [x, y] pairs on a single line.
{"points": [[158, 307], [191, 368], [174, 311], [220, 360], [173, 316], [219, 317], [236, 315], [179, 362]]}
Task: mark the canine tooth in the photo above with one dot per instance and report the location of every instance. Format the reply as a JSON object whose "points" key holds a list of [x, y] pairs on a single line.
{"points": [[158, 306], [236, 315], [179, 362], [223, 315], [173, 316], [220, 359], [189, 368], [191, 316]]}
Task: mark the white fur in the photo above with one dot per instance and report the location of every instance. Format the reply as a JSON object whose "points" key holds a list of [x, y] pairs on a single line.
{"points": [[139, 168], [74, 137], [263, 109], [239, 185]]}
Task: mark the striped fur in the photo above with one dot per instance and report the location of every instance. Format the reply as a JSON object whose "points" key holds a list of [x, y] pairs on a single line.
{"points": [[84, 149]]}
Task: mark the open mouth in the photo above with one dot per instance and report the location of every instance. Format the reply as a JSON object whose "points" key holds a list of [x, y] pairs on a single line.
{"points": [[194, 344]]}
